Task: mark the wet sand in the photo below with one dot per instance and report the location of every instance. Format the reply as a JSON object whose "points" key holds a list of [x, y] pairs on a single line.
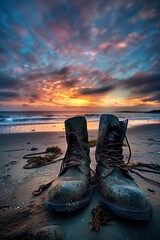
{"points": [[22, 214]]}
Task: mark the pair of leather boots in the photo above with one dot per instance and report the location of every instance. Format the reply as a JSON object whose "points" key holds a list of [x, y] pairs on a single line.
{"points": [[117, 190]]}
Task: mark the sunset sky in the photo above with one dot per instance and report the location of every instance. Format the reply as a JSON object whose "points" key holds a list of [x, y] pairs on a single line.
{"points": [[88, 55]]}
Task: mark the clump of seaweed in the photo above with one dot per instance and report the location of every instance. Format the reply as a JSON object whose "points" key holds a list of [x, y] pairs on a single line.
{"points": [[100, 217], [54, 149], [34, 161]]}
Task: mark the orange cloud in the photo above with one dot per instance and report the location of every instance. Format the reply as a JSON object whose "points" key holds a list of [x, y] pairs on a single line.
{"points": [[121, 45], [105, 46]]}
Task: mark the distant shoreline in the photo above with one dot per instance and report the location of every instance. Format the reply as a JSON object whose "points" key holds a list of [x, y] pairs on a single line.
{"points": [[152, 111]]}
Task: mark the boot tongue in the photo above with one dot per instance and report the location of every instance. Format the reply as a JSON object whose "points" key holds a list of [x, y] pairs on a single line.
{"points": [[113, 133], [73, 144]]}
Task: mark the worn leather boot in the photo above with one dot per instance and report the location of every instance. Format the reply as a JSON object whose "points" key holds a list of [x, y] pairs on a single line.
{"points": [[70, 190], [118, 191]]}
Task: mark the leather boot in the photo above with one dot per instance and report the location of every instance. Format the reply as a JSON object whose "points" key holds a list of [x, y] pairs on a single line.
{"points": [[118, 191], [70, 190]]}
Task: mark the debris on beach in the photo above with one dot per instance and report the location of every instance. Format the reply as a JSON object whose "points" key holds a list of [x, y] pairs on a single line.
{"points": [[151, 190], [155, 167], [53, 149], [36, 160], [100, 217], [144, 167], [42, 188]]}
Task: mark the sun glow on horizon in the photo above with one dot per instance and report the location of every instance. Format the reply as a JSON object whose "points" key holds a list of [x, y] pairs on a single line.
{"points": [[56, 97]]}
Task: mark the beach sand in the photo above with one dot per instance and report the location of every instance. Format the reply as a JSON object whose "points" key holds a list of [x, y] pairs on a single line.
{"points": [[22, 214]]}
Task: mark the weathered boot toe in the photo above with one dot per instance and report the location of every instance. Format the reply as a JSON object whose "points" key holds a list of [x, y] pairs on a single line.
{"points": [[128, 196], [68, 194], [69, 190], [126, 202], [123, 191]]}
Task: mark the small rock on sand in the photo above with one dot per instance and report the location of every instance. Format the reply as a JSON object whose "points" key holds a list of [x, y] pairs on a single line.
{"points": [[33, 148]]}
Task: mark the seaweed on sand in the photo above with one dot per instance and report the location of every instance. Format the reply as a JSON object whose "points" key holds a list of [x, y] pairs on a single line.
{"points": [[35, 161]]}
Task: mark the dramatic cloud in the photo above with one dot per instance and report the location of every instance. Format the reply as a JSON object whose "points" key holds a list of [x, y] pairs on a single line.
{"points": [[7, 82], [94, 91], [144, 86], [142, 83], [54, 51], [9, 95], [154, 97]]}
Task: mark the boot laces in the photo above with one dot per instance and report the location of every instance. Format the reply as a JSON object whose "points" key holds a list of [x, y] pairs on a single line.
{"points": [[112, 151], [73, 155], [112, 157]]}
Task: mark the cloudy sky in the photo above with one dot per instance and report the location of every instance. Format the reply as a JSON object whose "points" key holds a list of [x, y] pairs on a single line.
{"points": [[79, 54]]}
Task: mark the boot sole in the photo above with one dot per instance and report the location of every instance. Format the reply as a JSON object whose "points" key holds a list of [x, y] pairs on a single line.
{"points": [[69, 206], [141, 214]]}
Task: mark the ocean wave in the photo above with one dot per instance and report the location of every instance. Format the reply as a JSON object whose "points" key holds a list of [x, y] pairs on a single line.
{"points": [[12, 121], [92, 115], [19, 120], [24, 118]]}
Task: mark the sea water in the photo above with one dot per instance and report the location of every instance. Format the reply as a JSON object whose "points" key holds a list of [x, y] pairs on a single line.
{"points": [[38, 121]]}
